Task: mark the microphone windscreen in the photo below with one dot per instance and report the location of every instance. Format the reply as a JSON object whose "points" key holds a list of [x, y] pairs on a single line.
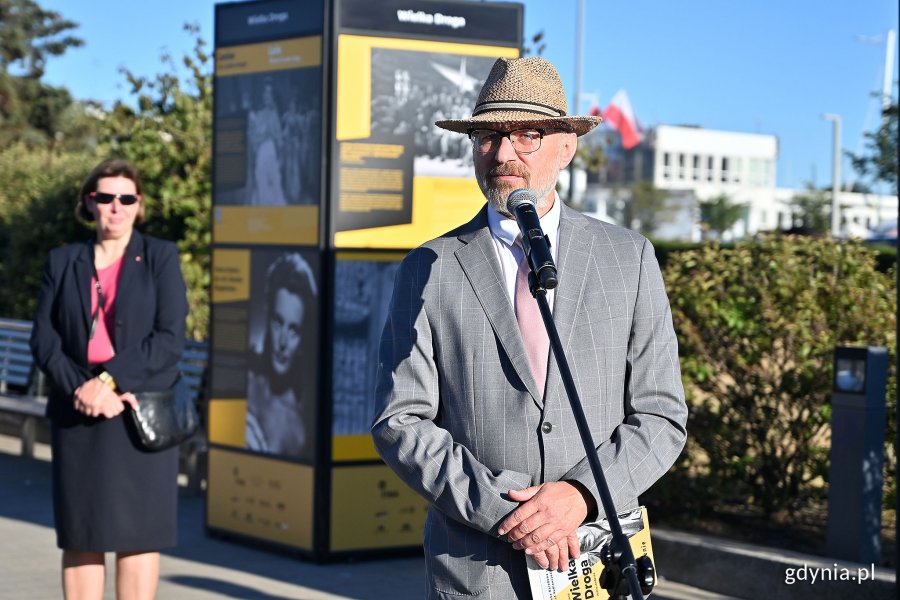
{"points": [[520, 197]]}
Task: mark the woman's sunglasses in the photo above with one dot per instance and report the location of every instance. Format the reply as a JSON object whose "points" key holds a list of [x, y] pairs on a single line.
{"points": [[104, 198]]}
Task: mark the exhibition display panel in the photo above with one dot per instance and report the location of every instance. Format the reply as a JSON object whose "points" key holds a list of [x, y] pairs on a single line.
{"points": [[327, 169]]}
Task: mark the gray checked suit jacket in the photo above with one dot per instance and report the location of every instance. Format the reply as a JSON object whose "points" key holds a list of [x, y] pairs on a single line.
{"points": [[458, 416]]}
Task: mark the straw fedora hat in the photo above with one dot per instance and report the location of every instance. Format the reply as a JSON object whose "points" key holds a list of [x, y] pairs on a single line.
{"points": [[519, 93]]}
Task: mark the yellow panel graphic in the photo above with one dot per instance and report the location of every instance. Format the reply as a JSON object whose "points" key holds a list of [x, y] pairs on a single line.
{"points": [[298, 225], [227, 422], [231, 275], [372, 508], [371, 256], [440, 204], [353, 447], [260, 497], [276, 55], [354, 82]]}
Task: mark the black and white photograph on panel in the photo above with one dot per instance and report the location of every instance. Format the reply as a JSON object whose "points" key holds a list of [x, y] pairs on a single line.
{"points": [[411, 90], [363, 291], [268, 138], [282, 365]]}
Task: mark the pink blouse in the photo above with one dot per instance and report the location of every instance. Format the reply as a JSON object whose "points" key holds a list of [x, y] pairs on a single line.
{"points": [[100, 347]]}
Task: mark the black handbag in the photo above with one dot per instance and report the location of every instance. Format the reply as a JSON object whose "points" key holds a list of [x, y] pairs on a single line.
{"points": [[167, 418]]}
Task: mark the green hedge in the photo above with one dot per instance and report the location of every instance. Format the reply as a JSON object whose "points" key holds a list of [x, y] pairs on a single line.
{"points": [[885, 254], [757, 325]]}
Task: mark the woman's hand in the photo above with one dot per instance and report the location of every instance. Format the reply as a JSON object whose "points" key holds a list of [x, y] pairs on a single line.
{"points": [[130, 399], [96, 399]]}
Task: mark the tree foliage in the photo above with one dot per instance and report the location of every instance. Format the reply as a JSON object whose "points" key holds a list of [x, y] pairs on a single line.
{"points": [[719, 214], [811, 210], [168, 137], [646, 209], [38, 186], [37, 212], [30, 110], [589, 156], [879, 161], [29, 35], [757, 326]]}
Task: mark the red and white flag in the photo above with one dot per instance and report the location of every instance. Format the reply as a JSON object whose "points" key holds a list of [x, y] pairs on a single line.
{"points": [[620, 116]]}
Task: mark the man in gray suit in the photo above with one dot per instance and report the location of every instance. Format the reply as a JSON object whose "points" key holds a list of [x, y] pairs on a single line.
{"points": [[471, 411]]}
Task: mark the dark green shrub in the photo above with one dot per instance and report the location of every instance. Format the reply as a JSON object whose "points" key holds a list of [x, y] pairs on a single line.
{"points": [[757, 325], [38, 193]]}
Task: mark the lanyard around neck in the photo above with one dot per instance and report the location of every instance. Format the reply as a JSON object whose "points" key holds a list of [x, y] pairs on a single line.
{"points": [[101, 302]]}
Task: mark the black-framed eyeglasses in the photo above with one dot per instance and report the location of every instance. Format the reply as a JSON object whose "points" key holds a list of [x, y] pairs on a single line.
{"points": [[104, 198], [524, 141]]}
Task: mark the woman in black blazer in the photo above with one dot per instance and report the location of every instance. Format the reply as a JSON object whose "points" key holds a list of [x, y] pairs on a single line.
{"points": [[110, 322]]}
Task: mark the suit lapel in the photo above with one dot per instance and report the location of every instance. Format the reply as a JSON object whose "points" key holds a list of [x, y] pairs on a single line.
{"points": [[573, 257], [84, 272], [479, 262], [132, 262]]}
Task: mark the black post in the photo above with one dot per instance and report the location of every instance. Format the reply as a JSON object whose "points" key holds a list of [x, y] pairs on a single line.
{"points": [[621, 548]]}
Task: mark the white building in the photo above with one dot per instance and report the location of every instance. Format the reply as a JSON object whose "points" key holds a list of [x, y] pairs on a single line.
{"points": [[708, 163]]}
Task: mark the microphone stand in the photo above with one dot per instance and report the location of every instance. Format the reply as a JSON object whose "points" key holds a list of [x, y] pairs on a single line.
{"points": [[617, 557]]}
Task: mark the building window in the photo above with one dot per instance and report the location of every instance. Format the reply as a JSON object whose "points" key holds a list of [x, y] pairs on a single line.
{"points": [[736, 171], [710, 168], [754, 175], [681, 166], [696, 167], [724, 169], [667, 166]]}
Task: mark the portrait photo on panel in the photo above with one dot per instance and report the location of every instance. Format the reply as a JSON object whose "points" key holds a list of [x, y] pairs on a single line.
{"points": [[268, 138], [412, 90], [362, 296], [282, 384]]}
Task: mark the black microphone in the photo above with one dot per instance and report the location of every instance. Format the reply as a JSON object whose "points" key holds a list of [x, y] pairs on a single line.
{"points": [[522, 204]]}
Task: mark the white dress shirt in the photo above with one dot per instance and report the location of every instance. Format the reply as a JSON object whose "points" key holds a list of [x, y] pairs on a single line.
{"points": [[505, 231]]}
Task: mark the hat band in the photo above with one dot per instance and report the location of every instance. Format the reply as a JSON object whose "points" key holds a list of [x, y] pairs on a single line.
{"points": [[540, 109]]}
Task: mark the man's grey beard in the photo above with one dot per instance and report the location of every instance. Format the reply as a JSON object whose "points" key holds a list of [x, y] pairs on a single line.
{"points": [[497, 197]]}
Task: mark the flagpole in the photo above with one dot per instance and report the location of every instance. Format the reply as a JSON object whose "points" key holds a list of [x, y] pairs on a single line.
{"points": [[579, 44], [579, 47]]}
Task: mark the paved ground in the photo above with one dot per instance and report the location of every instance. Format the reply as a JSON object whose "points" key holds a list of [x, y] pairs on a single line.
{"points": [[201, 567]]}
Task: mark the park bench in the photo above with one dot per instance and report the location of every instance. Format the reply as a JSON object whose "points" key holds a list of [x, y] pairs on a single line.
{"points": [[23, 395], [22, 398]]}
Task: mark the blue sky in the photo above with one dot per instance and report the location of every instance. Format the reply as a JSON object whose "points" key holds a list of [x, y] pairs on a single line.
{"points": [[764, 66]]}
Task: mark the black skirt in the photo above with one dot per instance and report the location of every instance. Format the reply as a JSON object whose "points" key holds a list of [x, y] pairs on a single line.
{"points": [[109, 495]]}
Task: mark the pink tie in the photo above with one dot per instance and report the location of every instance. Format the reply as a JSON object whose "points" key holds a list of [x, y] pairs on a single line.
{"points": [[534, 334]]}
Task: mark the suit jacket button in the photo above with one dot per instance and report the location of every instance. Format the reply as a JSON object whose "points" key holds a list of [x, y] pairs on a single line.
{"points": [[547, 427]]}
